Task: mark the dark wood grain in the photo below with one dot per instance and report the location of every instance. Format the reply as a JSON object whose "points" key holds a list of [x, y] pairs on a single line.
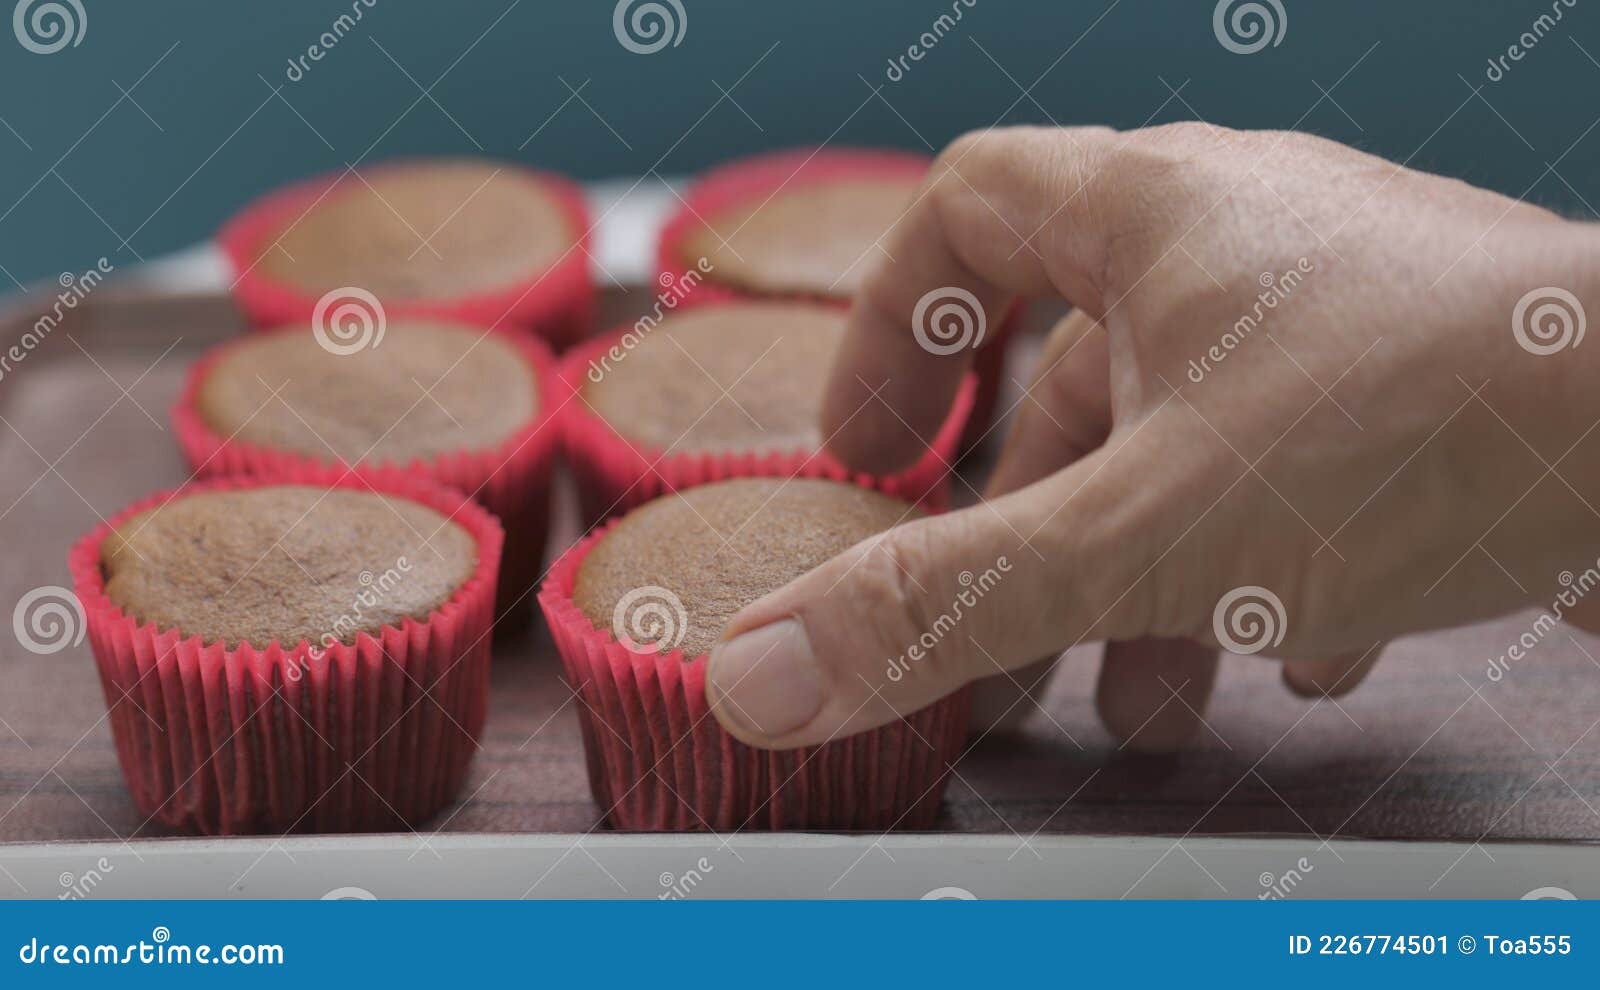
{"points": [[1413, 753]]}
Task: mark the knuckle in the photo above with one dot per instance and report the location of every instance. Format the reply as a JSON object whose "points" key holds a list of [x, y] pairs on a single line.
{"points": [[1189, 139], [1165, 182], [962, 147], [965, 161], [1018, 155], [970, 158]]}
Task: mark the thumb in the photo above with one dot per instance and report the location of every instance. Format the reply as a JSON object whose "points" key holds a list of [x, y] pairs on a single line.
{"points": [[904, 618]]}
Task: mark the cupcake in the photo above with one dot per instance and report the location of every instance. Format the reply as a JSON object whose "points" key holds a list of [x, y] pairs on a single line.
{"points": [[718, 391], [306, 656], [487, 243], [809, 223], [449, 403], [634, 610]]}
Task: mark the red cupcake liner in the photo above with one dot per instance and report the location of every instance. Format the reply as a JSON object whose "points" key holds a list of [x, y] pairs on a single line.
{"points": [[558, 303], [512, 480], [658, 760], [615, 474], [365, 737], [757, 177]]}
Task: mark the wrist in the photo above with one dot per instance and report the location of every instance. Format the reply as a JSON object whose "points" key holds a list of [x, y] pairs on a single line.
{"points": [[1545, 388]]}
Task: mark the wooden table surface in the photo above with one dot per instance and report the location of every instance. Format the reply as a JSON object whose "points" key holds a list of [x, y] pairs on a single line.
{"points": [[1429, 747]]}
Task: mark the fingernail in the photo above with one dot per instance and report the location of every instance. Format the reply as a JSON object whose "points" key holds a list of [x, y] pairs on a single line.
{"points": [[766, 680]]}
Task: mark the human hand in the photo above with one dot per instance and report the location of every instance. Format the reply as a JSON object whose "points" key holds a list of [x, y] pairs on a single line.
{"points": [[1294, 380]]}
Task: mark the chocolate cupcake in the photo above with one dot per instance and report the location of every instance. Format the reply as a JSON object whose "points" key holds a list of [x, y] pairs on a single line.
{"points": [[634, 610], [479, 241], [714, 392], [304, 656], [803, 223], [813, 240], [445, 402], [810, 223]]}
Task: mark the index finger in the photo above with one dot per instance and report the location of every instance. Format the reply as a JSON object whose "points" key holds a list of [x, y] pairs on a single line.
{"points": [[1002, 213]]}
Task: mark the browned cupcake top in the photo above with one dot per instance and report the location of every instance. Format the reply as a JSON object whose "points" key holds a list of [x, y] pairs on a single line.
{"points": [[423, 230], [737, 377], [815, 238], [665, 576], [284, 564], [425, 389]]}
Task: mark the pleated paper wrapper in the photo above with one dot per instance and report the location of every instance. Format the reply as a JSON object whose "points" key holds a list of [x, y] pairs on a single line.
{"points": [[659, 761], [372, 736]]}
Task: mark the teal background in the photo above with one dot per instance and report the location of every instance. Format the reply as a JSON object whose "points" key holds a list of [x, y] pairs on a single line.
{"points": [[86, 171]]}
